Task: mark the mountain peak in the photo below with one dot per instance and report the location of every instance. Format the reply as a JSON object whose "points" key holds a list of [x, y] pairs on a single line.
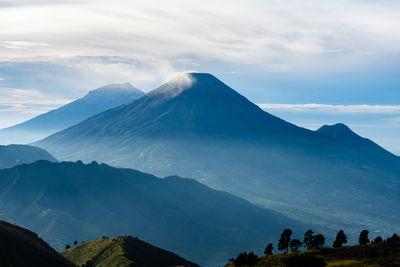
{"points": [[200, 84], [115, 87], [338, 130]]}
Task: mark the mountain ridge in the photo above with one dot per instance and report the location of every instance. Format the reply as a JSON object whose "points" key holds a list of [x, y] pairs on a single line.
{"points": [[75, 201], [206, 130], [122, 251], [12, 155], [94, 102]]}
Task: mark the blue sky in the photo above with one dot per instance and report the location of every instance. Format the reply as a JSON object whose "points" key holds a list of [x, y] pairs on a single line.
{"points": [[343, 56]]}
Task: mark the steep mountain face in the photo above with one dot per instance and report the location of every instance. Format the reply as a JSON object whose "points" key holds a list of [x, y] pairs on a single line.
{"points": [[72, 201], [123, 251], [12, 155], [94, 102], [196, 126], [21, 247]]}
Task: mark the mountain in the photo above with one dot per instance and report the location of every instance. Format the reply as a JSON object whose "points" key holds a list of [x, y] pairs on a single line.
{"points": [[94, 102], [12, 155], [197, 126], [122, 251], [72, 201], [21, 247]]}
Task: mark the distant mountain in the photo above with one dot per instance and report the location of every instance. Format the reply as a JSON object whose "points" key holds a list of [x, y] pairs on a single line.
{"points": [[72, 201], [196, 126], [21, 247], [94, 102], [123, 251], [12, 155]]}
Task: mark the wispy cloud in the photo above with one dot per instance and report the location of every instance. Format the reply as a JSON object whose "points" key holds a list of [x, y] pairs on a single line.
{"points": [[27, 101], [332, 108], [281, 35]]}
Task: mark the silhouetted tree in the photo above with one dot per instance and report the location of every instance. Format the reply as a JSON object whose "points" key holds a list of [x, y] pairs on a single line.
{"points": [[318, 241], [395, 237], [244, 259], [285, 240], [75, 242], [67, 246], [363, 239], [378, 240], [390, 240], [341, 239], [294, 245], [308, 239], [269, 249]]}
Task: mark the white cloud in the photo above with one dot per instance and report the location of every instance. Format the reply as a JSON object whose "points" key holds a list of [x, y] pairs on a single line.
{"points": [[278, 35], [332, 108], [27, 101]]}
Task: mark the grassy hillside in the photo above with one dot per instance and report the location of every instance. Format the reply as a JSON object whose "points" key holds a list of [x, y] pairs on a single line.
{"points": [[121, 252], [352, 256], [21, 247]]}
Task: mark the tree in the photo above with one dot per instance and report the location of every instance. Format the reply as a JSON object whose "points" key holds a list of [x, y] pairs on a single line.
{"points": [[67, 246], [308, 239], [244, 259], [269, 249], [341, 239], [75, 242], [363, 239], [318, 241], [378, 240], [294, 245], [285, 240], [390, 240]]}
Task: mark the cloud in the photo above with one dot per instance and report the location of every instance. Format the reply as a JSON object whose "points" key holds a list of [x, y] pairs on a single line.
{"points": [[275, 35], [27, 101], [374, 109], [20, 44]]}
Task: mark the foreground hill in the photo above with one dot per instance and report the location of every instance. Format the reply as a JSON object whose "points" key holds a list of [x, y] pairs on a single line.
{"points": [[21, 247], [374, 255], [122, 251], [12, 155], [73, 201], [197, 126], [94, 102]]}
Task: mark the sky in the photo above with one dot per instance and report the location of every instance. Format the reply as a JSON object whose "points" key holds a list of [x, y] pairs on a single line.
{"points": [[310, 62]]}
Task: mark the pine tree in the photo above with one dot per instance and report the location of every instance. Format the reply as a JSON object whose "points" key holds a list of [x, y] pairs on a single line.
{"points": [[364, 240]]}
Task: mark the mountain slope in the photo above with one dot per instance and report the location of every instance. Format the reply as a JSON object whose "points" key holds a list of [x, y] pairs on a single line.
{"points": [[94, 102], [73, 201], [197, 126], [122, 251], [12, 155], [21, 247]]}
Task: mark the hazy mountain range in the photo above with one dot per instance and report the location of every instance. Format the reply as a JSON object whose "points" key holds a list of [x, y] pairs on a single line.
{"points": [[12, 155], [196, 126], [70, 201], [94, 102]]}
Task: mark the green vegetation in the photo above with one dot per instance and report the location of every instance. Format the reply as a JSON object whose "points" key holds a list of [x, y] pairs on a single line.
{"points": [[121, 252], [351, 256], [378, 253]]}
